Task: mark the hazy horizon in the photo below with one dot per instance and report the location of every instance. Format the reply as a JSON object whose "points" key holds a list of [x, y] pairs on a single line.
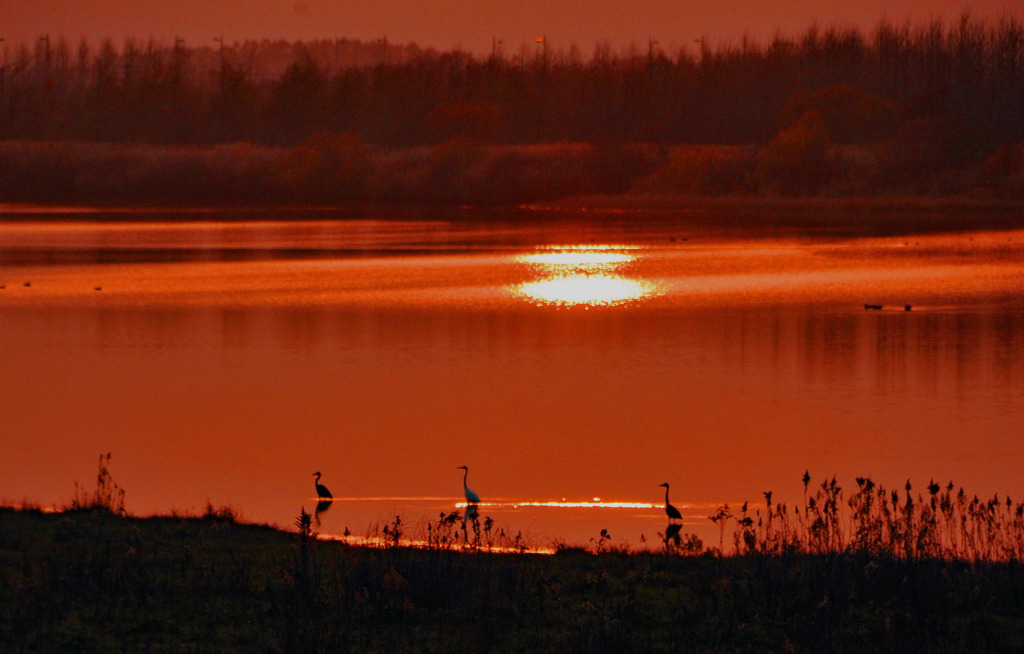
{"points": [[446, 24]]}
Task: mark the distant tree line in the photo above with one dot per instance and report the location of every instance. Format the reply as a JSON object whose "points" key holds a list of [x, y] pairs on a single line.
{"points": [[970, 73], [936, 109]]}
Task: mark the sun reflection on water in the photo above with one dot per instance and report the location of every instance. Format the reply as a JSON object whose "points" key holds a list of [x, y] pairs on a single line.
{"points": [[419, 543], [564, 504], [594, 290], [577, 258], [582, 275], [536, 522]]}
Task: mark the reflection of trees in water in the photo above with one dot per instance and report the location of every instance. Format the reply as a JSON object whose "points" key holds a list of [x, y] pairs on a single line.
{"points": [[846, 344]]}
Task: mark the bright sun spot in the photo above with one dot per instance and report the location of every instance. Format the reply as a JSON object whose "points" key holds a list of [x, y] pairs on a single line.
{"points": [[582, 275], [565, 504], [586, 289]]}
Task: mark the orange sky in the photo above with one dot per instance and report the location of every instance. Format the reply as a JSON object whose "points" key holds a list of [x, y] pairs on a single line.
{"points": [[447, 23]]}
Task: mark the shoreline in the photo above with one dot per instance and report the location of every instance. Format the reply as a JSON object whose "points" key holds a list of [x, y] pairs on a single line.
{"points": [[732, 216], [586, 202]]}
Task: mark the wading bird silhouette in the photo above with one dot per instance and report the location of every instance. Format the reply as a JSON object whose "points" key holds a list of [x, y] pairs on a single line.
{"points": [[321, 491], [673, 512], [471, 497]]}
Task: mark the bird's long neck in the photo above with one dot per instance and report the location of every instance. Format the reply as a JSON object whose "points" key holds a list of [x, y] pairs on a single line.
{"points": [[666, 495], [317, 475], [465, 474]]}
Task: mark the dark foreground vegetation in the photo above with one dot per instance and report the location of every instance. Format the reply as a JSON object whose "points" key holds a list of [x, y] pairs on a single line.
{"points": [[94, 579], [901, 110]]}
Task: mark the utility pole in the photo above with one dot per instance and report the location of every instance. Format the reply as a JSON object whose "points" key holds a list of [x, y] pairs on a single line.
{"points": [[223, 80], [47, 80], [45, 39], [542, 84], [543, 40], [176, 62], [128, 54]]}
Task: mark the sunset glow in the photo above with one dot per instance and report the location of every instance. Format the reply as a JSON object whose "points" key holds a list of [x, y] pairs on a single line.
{"points": [[470, 25], [363, 305], [563, 504], [582, 275], [379, 541], [582, 258], [586, 289]]}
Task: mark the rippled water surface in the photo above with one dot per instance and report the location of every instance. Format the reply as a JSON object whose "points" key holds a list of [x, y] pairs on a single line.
{"points": [[572, 365]]}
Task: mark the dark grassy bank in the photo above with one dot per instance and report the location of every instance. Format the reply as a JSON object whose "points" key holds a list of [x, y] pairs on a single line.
{"points": [[90, 580], [935, 572]]}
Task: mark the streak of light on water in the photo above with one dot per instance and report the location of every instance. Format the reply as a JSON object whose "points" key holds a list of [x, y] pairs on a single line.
{"points": [[382, 542]]}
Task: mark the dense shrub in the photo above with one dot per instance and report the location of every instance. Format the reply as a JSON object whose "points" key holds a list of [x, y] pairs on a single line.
{"points": [[701, 170], [796, 161], [448, 170], [923, 153], [1002, 172], [848, 114], [328, 166], [482, 121], [338, 169]]}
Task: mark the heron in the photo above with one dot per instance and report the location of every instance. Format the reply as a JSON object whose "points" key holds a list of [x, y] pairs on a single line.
{"points": [[321, 491], [673, 512], [471, 497]]}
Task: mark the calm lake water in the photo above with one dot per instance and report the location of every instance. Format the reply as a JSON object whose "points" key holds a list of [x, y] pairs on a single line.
{"points": [[565, 359]]}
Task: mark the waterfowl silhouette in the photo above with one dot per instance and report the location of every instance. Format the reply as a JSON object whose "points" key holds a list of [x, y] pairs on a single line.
{"points": [[321, 491], [471, 497], [673, 512]]}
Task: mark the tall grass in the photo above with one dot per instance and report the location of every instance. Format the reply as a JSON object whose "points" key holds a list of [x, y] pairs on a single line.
{"points": [[875, 570], [108, 496], [942, 522]]}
